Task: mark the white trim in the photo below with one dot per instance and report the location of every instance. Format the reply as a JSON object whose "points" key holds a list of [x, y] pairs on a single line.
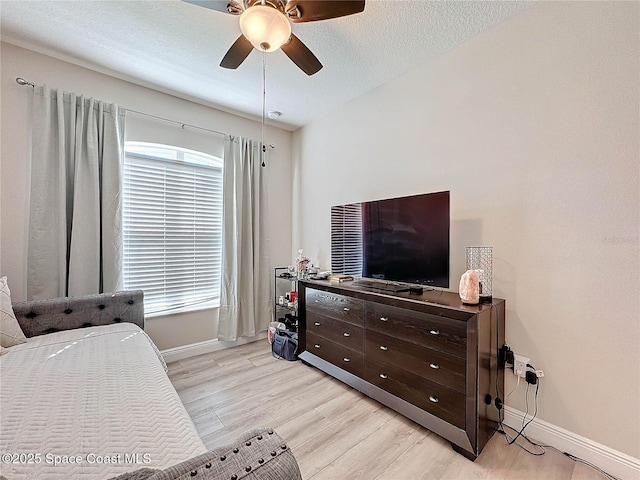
{"points": [[611, 461], [208, 346]]}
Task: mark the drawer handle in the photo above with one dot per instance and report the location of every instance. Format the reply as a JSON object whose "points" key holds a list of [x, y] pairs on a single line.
{"points": [[345, 309], [384, 375], [435, 366], [317, 324], [384, 348], [346, 334], [317, 345], [433, 399], [384, 319], [346, 359], [434, 332]]}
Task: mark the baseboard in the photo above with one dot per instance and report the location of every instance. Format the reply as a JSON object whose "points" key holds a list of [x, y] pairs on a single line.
{"points": [[611, 461], [208, 346]]}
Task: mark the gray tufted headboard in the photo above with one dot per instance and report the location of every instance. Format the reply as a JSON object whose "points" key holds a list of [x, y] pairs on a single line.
{"points": [[40, 317]]}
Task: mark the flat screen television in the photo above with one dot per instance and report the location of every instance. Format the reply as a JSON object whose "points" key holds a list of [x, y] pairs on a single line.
{"points": [[404, 239]]}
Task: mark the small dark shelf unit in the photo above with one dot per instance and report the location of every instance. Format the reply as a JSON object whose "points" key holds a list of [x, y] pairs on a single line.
{"points": [[284, 284]]}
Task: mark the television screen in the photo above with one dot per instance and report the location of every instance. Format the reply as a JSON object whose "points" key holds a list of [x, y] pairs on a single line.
{"points": [[403, 239]]}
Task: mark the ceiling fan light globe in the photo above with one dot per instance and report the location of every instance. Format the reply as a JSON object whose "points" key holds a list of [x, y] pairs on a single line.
{"points": [[265, 27]]}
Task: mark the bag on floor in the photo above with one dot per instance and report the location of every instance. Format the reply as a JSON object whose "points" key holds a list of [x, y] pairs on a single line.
{"points": [[285, 345], [273, 327]]}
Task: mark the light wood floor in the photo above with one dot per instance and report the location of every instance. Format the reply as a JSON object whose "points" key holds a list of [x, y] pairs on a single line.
{"points": [[333, 430]]}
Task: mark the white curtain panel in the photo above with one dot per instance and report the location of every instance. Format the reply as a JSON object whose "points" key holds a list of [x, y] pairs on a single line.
{"points": [[75, 222], [245, 302]]}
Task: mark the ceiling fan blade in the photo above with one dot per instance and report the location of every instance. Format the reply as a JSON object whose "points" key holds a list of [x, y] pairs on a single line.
{"points": [[240, 50], [301, 55], [228, 6], [313, 10]]}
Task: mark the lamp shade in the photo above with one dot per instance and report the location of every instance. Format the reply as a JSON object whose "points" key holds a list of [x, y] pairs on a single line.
{"points": [[265, 27], [480, 259]]}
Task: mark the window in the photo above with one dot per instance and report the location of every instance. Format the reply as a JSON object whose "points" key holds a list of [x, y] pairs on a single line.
{"points": [[172, 226], [346, 239]]}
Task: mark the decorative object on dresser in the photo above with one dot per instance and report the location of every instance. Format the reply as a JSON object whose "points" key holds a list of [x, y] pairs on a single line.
{"points": [[469, 288], [480, 259], [340, 278], [429, 356]]}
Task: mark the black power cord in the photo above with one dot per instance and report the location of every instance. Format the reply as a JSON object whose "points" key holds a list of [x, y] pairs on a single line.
{"points": [[525, 424], [502, 354], [589, 464], [574, 458], [498, 401], [532, 379]]}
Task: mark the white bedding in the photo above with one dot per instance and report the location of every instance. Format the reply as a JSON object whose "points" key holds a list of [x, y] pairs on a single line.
{"points": [[97, 399]]}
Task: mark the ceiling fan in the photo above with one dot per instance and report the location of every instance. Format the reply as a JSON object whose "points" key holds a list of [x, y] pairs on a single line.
{"points": [[266, 26]]}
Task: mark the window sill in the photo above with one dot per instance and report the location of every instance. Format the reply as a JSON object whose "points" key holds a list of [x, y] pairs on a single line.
{"points": [[187, 309]]}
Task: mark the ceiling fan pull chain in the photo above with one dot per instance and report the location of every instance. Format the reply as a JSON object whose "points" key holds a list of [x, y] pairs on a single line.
{"points": [[263, 147]]}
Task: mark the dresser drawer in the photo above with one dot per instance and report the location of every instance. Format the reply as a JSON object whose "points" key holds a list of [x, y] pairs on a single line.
{"points": [[431, 331], [335, 306], [338, 331], [436, 366], [340, 356], [443, 402]]}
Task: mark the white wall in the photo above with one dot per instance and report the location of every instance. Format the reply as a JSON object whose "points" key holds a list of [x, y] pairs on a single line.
{"points": [[167, 331], [533, 126]]}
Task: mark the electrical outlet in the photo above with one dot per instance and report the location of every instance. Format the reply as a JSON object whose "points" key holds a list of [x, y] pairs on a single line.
{"points": [[520, 365]]}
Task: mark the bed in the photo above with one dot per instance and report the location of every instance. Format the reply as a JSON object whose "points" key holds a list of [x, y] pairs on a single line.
{"points": [[89, 402], [94, 401]]}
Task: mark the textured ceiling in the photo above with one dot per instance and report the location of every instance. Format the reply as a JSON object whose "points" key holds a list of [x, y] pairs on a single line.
{"points": [[176, 47]]}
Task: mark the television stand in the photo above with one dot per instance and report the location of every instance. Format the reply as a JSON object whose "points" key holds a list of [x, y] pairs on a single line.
{"points": [[388, 287], [429, 357]]}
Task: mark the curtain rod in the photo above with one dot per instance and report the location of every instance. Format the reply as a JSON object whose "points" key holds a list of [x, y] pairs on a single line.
{"points": [[22, 81], [182, 124]]}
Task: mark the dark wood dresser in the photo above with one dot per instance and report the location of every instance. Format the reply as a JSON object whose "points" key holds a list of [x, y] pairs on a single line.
{"points": [[427, 356]]}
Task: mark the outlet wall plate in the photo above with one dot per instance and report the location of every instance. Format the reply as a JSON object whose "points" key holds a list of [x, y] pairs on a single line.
{"points": [[520, 365]]}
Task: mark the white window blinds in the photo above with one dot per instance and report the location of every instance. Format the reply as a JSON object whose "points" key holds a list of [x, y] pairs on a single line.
{"points": [[346, 239], [172, 222]]}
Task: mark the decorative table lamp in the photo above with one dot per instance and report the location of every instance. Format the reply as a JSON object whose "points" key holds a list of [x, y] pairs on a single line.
{"points": [[480, 259]]}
